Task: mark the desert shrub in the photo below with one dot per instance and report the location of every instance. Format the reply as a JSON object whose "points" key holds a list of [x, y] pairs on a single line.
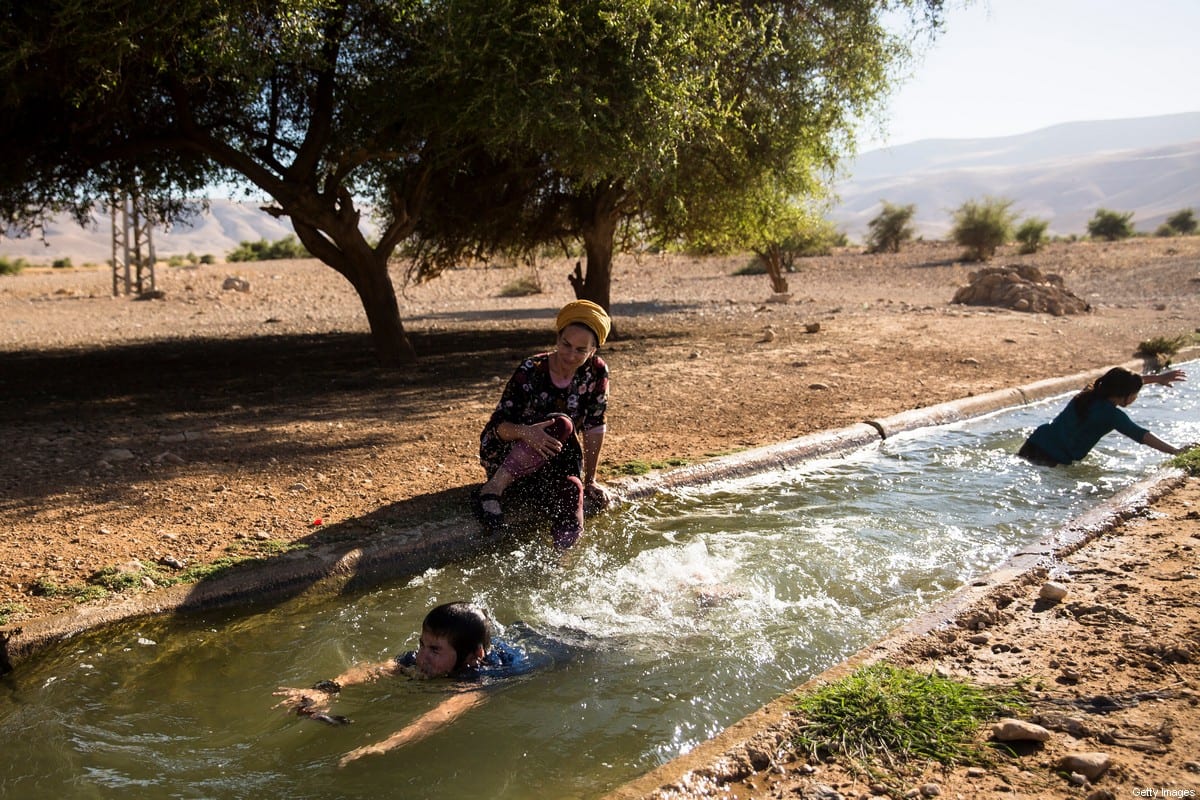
{"points": [[1161, 346], [1110, 225], [1032, 235], [807, 241], [818, 238], [890, 229], [12, 267], [1165, 230], [208, 258], [61, 263], [982, 226], [522, 287], [262, 250], [1182, 222]]}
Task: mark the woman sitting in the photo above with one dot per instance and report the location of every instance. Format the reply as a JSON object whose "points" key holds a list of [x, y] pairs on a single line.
{"points": [[530, 448]]}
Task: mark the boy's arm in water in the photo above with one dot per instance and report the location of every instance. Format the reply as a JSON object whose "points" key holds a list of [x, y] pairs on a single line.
{"points": [[319, 698], [428, 723]]}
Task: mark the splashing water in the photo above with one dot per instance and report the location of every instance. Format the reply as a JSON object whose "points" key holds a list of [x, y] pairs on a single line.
{"points": [[680, 615]]}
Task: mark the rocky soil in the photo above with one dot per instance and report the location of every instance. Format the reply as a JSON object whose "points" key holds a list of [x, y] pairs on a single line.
{"points": [[231, 419]]}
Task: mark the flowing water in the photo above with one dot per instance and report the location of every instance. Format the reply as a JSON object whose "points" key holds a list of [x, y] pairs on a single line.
{"points": [[674, 618]]}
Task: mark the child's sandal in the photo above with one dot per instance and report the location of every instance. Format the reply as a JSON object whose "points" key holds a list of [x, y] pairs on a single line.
{"points": [[492, 521]]}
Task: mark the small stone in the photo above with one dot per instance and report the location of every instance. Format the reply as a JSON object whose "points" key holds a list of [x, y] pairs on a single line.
{"points": [[1052, 591], [818, 387], [297, 487], [144, 642], [117, 454], [1018, 730], [1192, 766], [931, 790], [1089, 765], [979, 638], [171, 561], [812, 327], [1101, 794], [976, 772]]}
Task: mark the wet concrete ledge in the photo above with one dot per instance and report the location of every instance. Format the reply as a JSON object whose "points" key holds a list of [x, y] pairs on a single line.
{"points": [[345, 567]]}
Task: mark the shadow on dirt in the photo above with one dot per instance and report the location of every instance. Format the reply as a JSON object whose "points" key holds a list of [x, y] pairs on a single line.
{"points": [[62, 410]]}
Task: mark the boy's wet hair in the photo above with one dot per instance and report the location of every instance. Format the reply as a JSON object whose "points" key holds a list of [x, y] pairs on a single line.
{"points": [[463, 625]]}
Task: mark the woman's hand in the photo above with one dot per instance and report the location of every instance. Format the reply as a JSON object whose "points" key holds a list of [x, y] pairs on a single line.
{"points": [[542, 443], [595, 497]]}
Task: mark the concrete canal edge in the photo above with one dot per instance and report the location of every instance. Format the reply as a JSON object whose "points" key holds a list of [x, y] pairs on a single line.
{"points": [[342, 567]]}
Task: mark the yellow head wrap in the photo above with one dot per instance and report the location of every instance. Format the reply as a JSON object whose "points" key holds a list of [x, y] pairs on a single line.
{"points": [[588, 314]]}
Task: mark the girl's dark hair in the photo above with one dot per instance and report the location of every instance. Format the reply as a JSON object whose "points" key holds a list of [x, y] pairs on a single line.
{"points": [[1115, 383], [463, 625]]}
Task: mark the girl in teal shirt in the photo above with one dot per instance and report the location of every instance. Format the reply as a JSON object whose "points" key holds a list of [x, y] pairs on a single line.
{"points": [[1093, 413]]}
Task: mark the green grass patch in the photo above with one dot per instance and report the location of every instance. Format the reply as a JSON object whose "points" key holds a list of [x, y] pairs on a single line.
{"points": [[1188, 461], [7, 610], [891, 715], [638, 467], [44, 587]]}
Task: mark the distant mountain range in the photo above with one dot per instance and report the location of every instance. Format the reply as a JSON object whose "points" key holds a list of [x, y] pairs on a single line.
{"points": [[1062, 174], [1150, 166]]}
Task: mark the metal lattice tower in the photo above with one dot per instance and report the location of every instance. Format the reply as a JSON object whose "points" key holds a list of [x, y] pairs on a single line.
{"points": [[132, 247]]}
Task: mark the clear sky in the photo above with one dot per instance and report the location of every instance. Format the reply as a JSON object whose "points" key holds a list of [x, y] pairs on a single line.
{"points": [[1001, 67]]}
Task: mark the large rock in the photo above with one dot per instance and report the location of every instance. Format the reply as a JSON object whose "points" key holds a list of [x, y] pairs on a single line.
{"points": [[1021, 288]]}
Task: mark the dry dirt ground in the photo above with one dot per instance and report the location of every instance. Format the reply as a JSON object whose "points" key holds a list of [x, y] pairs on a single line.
{"points": [[215, 421]]}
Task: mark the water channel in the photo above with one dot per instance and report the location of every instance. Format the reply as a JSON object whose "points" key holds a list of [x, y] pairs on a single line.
{"points": [[675, 617]]}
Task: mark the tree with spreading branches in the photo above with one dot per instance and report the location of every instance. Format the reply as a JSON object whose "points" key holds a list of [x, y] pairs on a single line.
{"points": [[463, 125]]}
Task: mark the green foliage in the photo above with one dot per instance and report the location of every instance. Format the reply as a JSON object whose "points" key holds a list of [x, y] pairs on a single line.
{"points": [[1164, 345], [890, 229], [1110, 225], [886, 712], [208, 258], [1188, 461], [1032, 235], [981, 226], [11, 267], [61, 263], [1182, 222], [262, 250], [473, 126], [8, 610]]}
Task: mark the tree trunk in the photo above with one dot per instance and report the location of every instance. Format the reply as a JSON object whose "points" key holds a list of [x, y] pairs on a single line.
{"points": [[392, 345], [772, 258], [599, 232], [347, 251]]}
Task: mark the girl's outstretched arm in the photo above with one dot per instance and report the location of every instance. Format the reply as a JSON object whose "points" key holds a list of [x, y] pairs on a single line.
{"points": [[1165, 378], [1158, 444]]}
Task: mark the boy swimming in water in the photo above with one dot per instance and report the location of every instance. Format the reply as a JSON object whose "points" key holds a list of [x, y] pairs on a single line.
{"points": [[455, 643]]}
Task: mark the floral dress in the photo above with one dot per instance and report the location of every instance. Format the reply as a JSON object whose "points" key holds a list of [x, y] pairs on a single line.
{"points": [[531, 397]]}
